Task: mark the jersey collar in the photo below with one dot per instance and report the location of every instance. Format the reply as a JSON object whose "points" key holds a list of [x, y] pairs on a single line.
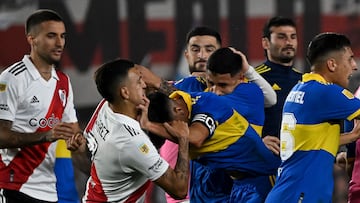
{"points": [[314, 76], [33, 70]]}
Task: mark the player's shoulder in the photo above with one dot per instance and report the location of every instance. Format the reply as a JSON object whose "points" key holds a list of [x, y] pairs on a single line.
{"points": [[262, 68], [297, 71], [16, 70]]}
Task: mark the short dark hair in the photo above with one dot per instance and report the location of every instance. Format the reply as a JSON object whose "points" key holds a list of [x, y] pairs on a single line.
{"points": [[40, 16], [158, 111], [159, 108], [203, 30], [109, 75], [223, 61], [324, 43], [276, 22]]}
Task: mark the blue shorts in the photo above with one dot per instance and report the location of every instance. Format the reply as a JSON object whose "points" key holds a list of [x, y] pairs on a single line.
{"points": [[250, 190], [209, 185]]}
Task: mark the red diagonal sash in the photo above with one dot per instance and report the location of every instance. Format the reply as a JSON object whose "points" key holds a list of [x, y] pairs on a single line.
{"points": [[29, 158]]}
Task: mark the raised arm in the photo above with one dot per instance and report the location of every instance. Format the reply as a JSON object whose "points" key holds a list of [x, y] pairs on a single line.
{"points": [[155, 82], [250, 73], [175, 181], [269, 93]]}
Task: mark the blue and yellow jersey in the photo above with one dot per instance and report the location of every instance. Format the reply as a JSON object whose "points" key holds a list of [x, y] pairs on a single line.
{"points": [[282, 79], [191, 84], [232, 143], [310, 135], [248, 100], [64, 171]]}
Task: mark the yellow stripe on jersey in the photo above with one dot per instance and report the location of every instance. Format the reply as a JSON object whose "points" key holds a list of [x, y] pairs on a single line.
{"points": [[348, 94], [224, 135], [354, 115], [257, 128], [315, 137], [61, 150], [262, 69], [314, 76]]}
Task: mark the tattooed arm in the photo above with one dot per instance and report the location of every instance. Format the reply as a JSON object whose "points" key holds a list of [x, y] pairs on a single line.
{"points": [[175, 181]]}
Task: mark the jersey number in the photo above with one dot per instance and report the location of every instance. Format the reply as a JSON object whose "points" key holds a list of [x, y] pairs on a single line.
{"points": [[287, 140]]}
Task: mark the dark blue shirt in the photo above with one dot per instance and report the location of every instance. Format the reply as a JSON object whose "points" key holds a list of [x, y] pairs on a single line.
{"points": [[282, 79]]}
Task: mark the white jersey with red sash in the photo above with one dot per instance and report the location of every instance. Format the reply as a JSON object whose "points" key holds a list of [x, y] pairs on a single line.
{"points": [[123, 158], [33, 105]]}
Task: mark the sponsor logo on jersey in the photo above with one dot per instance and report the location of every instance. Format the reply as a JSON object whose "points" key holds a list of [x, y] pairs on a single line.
{"points": [[2, 87], [276, 87], [144, 148], [157, 165], [34, 99], [4, 107], [44, 122]]}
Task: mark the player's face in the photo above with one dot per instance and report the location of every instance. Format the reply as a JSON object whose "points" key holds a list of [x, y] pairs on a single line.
{"points": [[282, 45], [222, 84], [198, 51], [47, 41], [137, 87], [345, 66], [179, 109]]}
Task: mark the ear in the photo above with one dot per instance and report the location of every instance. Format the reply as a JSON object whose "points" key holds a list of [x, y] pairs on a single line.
{"points": [[186, 54], [265, 43], [331, 64], [124, 93], [30, 39]]}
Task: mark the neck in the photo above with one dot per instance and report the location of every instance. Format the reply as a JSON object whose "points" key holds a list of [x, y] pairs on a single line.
{"points": [[41, 65], [124, 108], [290, 63]]}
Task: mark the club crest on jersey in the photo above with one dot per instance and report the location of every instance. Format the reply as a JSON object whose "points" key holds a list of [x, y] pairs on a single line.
{"points": [[2, 87], [144, 148], [62, 96]]}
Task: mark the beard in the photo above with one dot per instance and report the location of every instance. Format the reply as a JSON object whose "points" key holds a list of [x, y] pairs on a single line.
{"points": [[286, 59], [199, 68]]}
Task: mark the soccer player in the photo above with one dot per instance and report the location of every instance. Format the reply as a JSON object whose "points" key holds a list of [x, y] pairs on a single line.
{"points": [[35, 102], [280, 46], [310, 129], [124, 160], [227, 77], [221, 139]]}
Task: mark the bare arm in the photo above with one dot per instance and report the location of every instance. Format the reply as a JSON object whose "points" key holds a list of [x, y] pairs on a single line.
{"points": [[79, 152], [175, 181], [198, 132], [12, 139], [155, 82], [352, 136]]}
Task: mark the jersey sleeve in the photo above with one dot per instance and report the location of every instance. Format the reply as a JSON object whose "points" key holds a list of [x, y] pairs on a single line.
{"points": [[191, 84], [141, 155], [9, 92], [350, 105], [210, 110]]}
